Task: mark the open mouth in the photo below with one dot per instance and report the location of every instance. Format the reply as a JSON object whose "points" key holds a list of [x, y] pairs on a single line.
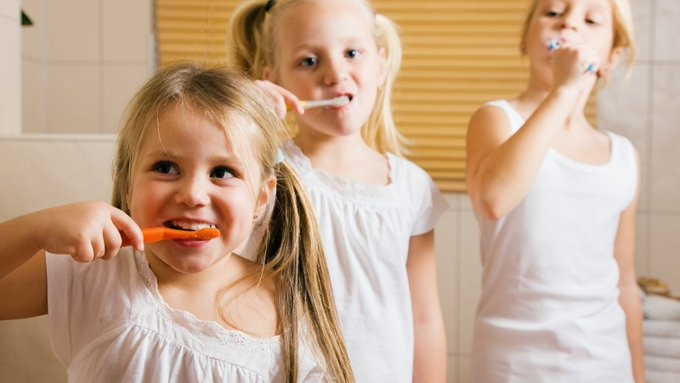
{"points": [[188, 226]]}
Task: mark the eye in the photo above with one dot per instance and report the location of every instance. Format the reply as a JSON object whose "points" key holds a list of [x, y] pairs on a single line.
{"points": [[309, 62], [222, 172], [352, 53], [552, 13], [166, 168]]}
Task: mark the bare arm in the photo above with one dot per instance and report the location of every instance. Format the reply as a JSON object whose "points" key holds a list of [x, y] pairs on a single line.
{"points": [[501, 168], [429, 363], [629, 298], [85, 231]]}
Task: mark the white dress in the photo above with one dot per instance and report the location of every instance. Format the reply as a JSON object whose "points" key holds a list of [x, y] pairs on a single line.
{"points": [[549, 309], [365, 231], [108, 323]]}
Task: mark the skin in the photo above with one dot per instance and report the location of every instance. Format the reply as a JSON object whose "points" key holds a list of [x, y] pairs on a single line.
{"points": [[187, 174], [333, 54], [501, 168]]}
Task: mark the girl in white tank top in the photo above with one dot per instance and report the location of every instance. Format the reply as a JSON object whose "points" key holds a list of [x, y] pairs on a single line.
{"points": [[556, 200]]}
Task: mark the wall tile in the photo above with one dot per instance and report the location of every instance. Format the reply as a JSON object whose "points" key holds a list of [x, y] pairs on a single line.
{"points": [[643, 17], [451, 370], [667, 33], [623, 108], [34, 98], [665, 174], [642, 244], [9, 10], [463, 369], [73, 30], [125, 30], [10, 74], [73, 99], [664, 257], [469, 280], [446, 239], [119, 84], [33, 38]]}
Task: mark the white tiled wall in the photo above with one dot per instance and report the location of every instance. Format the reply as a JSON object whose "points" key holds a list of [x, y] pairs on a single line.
{"points": [[10, 66], [82, 62]]}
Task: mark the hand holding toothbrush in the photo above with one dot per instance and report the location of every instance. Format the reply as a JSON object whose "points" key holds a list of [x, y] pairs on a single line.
{"points": [[284, 100], [86, 231]]}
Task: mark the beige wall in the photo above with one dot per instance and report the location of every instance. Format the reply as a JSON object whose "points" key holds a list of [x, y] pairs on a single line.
{"points": [[82, 61], [644, 108], [10, 66]]}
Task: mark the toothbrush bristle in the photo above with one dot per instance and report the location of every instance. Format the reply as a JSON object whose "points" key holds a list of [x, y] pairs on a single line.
{"points": [[340, 101], [208, 233]]}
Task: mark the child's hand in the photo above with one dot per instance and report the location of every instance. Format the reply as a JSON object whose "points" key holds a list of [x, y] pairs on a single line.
{"points": [[575, 65], [86, 231], [281, 97]]}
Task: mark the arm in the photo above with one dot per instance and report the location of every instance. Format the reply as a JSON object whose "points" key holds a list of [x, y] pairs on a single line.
{"points": [[429, 364], [629, 298], [85, 231], [501, 168]]}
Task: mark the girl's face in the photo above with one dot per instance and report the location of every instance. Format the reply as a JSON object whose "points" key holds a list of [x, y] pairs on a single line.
{"points": [[571, 22], [187, 176], [325, 49]]}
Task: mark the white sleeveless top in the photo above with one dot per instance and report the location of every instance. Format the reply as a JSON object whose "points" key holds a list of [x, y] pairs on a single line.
{"points": [[109, 323], [549, 309]]}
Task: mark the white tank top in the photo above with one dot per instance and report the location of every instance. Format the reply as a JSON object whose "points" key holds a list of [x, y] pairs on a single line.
{"points": [[549, 309]]}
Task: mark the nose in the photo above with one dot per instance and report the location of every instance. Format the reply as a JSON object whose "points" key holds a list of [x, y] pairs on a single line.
{"points": [[336, 72], [193, 192], [569, 20]]}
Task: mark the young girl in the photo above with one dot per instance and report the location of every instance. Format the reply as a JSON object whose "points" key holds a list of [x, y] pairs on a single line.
{"points": [[556, 203], [198, 149], [376, 210]]}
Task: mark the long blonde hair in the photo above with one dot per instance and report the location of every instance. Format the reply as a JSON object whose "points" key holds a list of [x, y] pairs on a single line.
{"points": [[251, 47], [290, 249]]}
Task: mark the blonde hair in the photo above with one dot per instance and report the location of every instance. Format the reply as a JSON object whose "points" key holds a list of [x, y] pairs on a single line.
{"points": [[622, 20], [251, 47], [290, 249]]}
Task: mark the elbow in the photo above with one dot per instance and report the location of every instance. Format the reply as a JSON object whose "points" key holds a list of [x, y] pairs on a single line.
{"points": [[491, 210], [491, 206]]}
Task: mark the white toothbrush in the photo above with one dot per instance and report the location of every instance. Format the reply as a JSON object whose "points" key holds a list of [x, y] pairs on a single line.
{"points": [[338, 101]]}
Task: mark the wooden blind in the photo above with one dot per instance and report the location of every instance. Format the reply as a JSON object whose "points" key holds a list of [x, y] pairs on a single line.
{"points": [[458, 54]]}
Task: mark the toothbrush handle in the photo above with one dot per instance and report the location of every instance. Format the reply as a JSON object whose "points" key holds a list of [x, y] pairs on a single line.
{"points": [[151, 234]]}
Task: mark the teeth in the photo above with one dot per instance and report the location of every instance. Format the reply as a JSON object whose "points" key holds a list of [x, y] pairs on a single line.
{"points": [[193, 226]]}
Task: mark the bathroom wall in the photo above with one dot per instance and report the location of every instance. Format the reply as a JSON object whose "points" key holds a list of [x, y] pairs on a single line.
{"points": [[100, 71], [10, 83], [82, 60]]}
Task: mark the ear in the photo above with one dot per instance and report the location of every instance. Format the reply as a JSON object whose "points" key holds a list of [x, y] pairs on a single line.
{"points": [[614, 58], [265, 196], [267, 73], [382, 65]]}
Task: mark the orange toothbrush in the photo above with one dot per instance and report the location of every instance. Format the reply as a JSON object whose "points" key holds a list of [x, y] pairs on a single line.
{"points": [[155, 234]]}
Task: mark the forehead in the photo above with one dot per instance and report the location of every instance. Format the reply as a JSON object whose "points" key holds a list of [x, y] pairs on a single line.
{"points": [[186, 128], [586, 4], [325, 19]]}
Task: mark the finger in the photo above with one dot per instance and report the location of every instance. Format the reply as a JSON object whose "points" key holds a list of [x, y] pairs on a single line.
{"points": [[112, 241], [84, 253], [125, 224]]}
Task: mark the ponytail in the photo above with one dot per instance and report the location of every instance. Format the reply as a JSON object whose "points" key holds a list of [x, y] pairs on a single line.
{"points": [[293, 252], [380, 132], [246, 45]]}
